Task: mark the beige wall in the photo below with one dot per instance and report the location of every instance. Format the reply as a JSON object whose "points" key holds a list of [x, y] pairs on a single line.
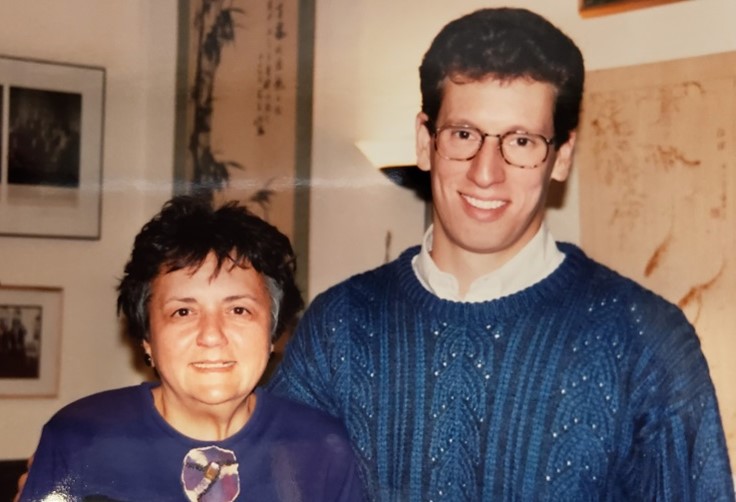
{"points": [[135, 40], [367, 54]]}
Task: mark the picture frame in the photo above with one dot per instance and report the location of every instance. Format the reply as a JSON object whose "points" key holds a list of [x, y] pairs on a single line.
{"points": [[30, 341], [592, 8], [51, 137], [244, 110]]}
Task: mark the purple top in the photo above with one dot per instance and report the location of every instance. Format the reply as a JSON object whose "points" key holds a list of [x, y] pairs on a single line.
{"points": [[115, 446]]}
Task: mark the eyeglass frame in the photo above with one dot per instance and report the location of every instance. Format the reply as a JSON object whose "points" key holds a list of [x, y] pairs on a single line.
{"points": [[483, 135]]}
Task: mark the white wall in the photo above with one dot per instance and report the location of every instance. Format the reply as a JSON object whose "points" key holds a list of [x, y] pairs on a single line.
{"points": [[367, 88], [135, 40]]}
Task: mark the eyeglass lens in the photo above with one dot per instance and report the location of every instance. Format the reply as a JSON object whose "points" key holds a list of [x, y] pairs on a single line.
{"points": [[517, 148]]}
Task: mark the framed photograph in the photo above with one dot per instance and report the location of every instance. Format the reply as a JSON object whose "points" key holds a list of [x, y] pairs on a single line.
{"points": [[50, 148], [590, 8], [245, 109], [30, 341]]}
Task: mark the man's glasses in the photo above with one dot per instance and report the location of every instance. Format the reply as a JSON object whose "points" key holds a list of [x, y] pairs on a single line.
{"points": [[519, 149]]}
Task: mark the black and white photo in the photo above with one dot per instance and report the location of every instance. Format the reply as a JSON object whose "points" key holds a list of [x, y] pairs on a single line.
{"points": [[30, 330], [51, 158]]}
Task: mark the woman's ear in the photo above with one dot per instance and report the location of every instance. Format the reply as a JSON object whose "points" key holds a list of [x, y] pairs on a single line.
{"points": [[423, 142], [147, 357]]}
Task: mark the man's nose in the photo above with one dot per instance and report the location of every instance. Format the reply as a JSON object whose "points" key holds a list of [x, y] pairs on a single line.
{"points": [[488, 167]]}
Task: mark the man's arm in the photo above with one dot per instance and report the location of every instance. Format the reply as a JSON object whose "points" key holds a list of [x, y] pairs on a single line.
{"points": [[684, 457], [304, 374], [680, 448]]}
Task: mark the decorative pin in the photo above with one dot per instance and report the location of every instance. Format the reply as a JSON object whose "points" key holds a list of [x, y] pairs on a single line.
{"points": [[210, 474]]}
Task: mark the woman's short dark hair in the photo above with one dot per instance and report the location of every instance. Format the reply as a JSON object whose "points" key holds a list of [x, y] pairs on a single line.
{"points": [[185, 233], [506, 44]]}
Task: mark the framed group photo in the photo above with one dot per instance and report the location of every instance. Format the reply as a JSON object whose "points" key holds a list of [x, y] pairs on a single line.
{"points": [[50, 148], [30, 341]]}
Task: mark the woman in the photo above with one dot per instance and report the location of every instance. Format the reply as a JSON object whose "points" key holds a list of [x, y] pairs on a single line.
{"points": [[206, 292]]}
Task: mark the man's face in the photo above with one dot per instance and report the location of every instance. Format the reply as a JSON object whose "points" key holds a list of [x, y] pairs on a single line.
{"points": [[210, 334], [484, 207]]}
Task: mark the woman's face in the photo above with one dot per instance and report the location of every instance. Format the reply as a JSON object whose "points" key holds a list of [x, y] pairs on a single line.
{"points": [[210, 335]]}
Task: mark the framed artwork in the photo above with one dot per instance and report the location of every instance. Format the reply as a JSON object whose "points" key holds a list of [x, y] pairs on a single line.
{"points": [[30, 341], [590, 8], [51, 148], [657, 189], [245, 109]]}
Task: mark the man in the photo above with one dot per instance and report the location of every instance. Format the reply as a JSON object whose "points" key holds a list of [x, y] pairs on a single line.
{"points": [[492, 363]]}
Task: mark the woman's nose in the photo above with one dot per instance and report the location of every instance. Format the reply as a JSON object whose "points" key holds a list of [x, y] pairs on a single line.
{"points": [[211, 332]]}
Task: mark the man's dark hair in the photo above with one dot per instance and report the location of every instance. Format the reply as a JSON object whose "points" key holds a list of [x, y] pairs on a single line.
{"points": [[185, 233], [505, 44]]}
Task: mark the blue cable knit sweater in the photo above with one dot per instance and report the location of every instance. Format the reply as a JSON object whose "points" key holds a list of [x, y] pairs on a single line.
{"points": [[584, 386]]}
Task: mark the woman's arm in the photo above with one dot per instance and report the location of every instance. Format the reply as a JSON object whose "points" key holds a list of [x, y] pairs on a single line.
{"points": [[22, 479]]}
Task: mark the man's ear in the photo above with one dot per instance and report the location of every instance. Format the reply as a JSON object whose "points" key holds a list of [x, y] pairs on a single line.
{"points": [[563, 159], [423, 142]]}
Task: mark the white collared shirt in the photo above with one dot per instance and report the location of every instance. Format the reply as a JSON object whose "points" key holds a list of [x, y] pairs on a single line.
{"points": [[536, 260]]}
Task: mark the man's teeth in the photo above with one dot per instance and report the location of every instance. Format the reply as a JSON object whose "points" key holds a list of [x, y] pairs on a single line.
{"points": [[484, 204]]}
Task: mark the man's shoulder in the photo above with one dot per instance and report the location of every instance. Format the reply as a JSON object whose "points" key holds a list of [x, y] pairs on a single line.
{"points": [[605, 285], [381, 276], [605, 279]]}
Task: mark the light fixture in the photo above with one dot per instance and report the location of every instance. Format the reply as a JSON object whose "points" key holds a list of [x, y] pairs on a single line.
{"points": [[388, 152], [397, 160]]}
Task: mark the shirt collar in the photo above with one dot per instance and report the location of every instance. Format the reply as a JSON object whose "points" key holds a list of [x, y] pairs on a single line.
{"points": [[536, 260]]}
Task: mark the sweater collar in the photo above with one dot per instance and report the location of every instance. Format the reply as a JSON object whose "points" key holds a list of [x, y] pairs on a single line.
{"points": [[538, 259]]}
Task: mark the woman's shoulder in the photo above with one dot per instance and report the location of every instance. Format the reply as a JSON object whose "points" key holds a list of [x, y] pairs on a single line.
{"points": [[114, 406], [312, 439], [293, 417]]}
